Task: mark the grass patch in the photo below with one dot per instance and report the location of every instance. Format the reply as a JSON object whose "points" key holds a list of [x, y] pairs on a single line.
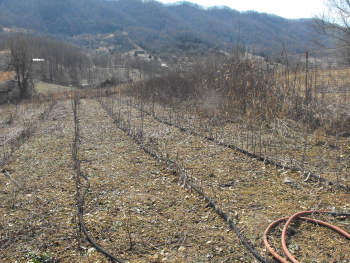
{"points": [[46, 88]]}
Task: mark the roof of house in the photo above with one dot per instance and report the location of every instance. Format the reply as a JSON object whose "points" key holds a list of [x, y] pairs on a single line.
{"points": [[6, 76]]}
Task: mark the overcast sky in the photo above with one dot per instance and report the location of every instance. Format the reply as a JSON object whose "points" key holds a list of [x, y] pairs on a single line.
{"points": [[284, 8]]}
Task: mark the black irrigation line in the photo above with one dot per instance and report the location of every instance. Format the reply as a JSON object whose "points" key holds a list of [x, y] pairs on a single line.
{"points": [[80, 197], [185, 179], [247, 153], [25, 135]]}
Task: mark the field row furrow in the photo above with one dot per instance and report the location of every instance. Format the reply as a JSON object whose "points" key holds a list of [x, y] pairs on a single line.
{"points": [[240, 185], [135, 207], [283, 145], [17, 125], [38, 217]]}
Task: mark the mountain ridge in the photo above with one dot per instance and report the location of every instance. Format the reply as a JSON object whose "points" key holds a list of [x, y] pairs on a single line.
{"points": [[158, 27]]}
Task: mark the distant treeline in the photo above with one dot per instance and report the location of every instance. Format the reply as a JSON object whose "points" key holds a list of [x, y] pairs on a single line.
{"points": [[156, 27]]}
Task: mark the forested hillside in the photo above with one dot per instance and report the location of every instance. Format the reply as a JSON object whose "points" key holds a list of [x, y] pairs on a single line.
{"points": [[157, 27]]}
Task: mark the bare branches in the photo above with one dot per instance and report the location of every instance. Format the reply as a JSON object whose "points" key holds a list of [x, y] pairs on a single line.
{"points": [[336, 23], [21, 63]]}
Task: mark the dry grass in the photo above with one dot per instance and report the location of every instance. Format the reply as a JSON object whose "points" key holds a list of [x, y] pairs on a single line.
{"points": [[48, 88], [329, 85], [47, 91]]}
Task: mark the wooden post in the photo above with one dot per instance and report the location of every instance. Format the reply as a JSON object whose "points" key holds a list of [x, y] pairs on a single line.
{"points": [[307, 91]]}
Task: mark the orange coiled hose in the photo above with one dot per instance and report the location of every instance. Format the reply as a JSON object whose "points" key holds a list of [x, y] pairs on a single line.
{"points": [[284, 233]]}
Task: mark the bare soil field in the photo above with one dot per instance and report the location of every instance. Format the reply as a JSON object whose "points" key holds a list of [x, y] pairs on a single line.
{"points": [[257, 192], [36, 215], [17, 122], [137, 208], [284, 142]]}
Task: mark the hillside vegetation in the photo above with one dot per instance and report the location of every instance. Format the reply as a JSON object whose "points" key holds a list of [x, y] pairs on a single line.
{"points": [[157, 27]]}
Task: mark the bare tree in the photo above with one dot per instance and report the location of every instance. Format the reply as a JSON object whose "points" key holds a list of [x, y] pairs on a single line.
{"points": [[335, 25], [21, 63], [336, 21]]}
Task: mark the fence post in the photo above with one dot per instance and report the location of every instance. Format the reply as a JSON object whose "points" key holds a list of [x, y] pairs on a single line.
{"points": [[307, 88]]}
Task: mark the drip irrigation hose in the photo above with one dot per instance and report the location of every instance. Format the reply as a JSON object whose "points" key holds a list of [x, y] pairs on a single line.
{"points": [[80, 197], [298, 215], [181, 172], [186, 182], [245, 152]]}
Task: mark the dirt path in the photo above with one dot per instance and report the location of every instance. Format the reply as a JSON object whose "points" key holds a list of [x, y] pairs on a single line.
{"points": [[258, 193]]}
